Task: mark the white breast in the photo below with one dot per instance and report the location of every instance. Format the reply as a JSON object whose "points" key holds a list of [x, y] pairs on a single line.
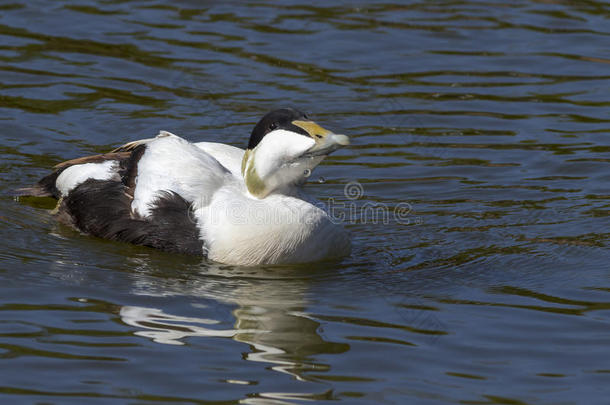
{"points": [[238, 229]]}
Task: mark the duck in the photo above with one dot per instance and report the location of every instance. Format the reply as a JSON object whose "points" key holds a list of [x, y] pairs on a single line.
{"points": [[227, 204]]}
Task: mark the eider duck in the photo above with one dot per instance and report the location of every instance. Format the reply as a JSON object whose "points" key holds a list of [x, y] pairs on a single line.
{"points": [[233, 206]]}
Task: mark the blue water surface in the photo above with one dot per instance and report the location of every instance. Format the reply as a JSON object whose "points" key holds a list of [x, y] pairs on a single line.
{"points": [[480, 137]]}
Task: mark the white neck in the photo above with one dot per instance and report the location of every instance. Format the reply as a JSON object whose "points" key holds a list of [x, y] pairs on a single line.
{"points": [[275, 165]]}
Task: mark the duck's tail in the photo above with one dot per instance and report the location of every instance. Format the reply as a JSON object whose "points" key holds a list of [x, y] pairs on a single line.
{"points": [[44, 188]]}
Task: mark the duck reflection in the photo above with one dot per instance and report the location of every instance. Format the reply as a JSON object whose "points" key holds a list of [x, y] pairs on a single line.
{"points": [[269, 315]]}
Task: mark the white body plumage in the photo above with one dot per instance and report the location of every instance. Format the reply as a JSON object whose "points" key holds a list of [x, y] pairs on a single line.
{"points": [[232, 205], [236, 227]]}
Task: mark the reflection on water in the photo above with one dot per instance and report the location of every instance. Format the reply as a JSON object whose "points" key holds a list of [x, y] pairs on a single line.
{"points": [[268, 316], [168, 329]]}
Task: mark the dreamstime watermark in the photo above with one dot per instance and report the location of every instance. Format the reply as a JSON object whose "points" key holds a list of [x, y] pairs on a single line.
{"points": [[274, 210], [353, 211]]}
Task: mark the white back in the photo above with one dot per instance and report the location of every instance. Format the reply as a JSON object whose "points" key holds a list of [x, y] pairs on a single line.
{"points": [[227, 155], [171, 163]]}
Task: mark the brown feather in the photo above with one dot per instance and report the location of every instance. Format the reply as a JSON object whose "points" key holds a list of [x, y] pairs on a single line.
{"points": [[93, 159]]}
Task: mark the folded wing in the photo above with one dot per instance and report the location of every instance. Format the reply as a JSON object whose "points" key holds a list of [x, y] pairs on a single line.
{"points": [[144, 192]]}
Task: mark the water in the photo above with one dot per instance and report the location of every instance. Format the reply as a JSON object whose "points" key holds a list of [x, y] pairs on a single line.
{"points": [[476, 191]]}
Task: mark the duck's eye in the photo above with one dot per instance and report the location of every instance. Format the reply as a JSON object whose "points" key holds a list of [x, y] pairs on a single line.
{"points": [[318, 136], [272, 126]]}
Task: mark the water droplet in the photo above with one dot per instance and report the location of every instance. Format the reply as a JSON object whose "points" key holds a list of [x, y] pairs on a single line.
{"points": [[321, 180], [307, 173]]}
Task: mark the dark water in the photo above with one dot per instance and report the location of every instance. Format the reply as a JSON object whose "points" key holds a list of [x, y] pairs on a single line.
{"points": [[481, 136]]}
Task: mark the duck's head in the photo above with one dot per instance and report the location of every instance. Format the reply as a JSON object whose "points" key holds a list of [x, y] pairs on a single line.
{"points": [[285, 146]]}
